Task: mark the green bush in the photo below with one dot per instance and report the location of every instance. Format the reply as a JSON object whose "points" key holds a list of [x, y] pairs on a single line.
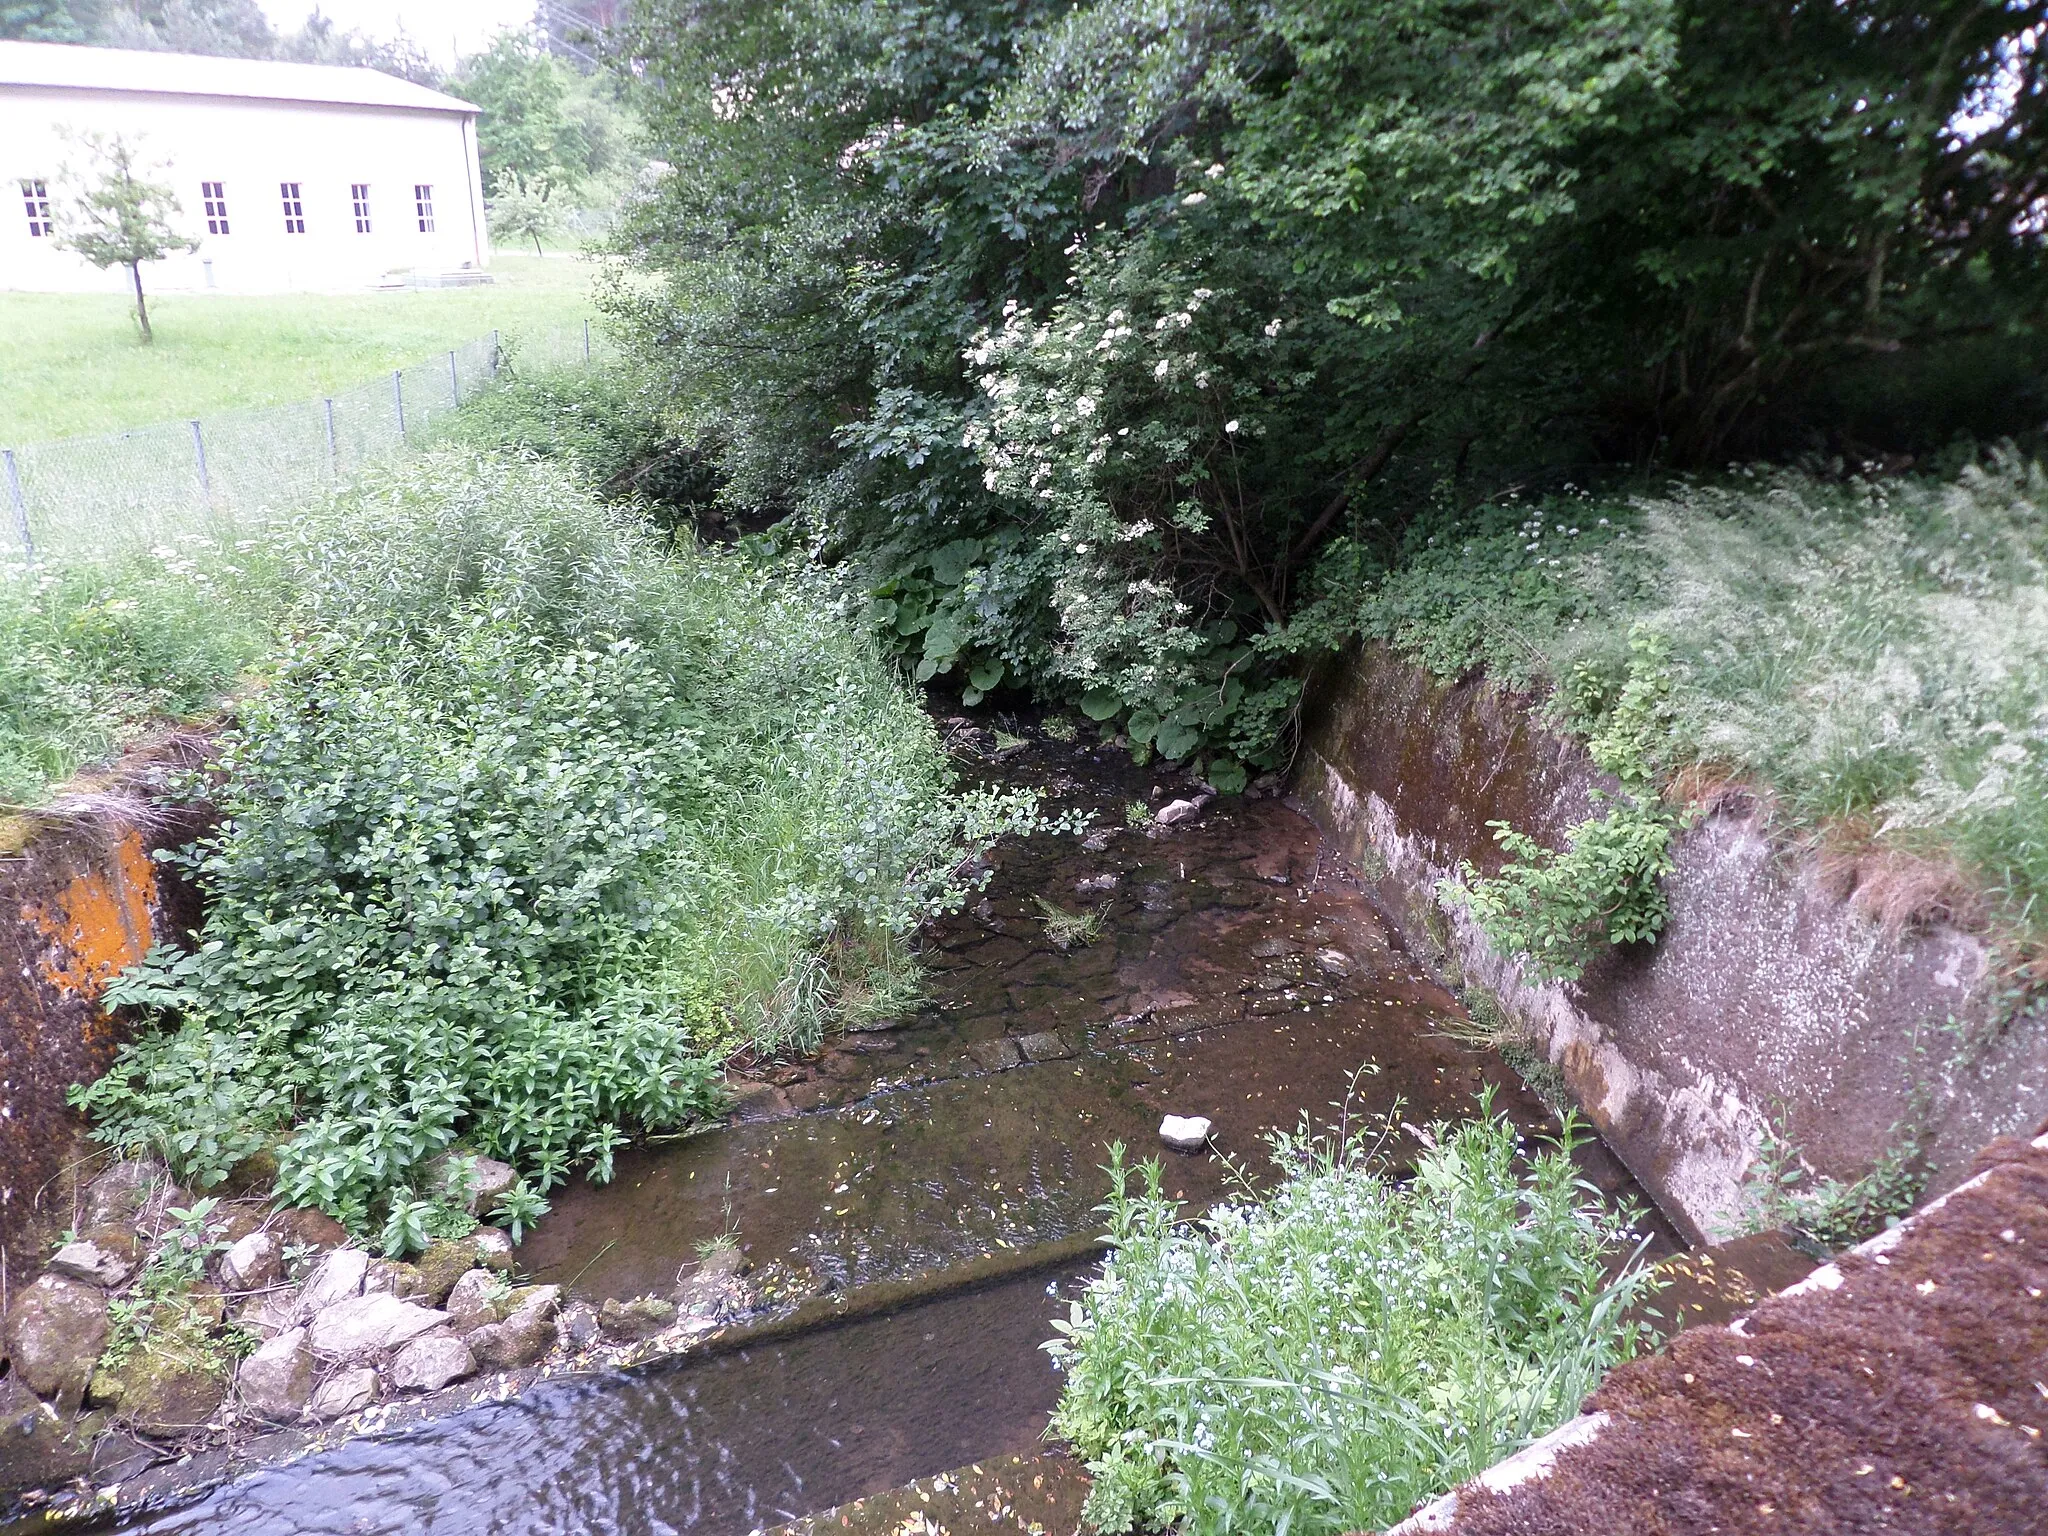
{"points": [[531, 827], [92, 651], [1320, 1358]]}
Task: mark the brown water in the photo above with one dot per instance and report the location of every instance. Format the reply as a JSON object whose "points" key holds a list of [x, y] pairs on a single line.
{"points": [[1236, 976]]}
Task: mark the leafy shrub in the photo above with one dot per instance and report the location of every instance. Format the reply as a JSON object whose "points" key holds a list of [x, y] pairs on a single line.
{"points": [[1319, 1358], [91, 651], [532, 825]]}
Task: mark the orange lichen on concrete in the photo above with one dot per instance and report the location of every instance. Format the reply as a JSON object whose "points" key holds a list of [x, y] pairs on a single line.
{"points": [[99, 924]]}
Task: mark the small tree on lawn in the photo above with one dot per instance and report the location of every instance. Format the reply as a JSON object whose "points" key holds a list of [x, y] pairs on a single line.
{"points": [[122, 219], [521, 209]]}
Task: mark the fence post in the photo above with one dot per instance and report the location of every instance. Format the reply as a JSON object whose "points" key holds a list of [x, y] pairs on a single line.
{"points": [[199, 458], [454, 382], [19, 503], [586, 341], [495, 354], [398, 399], [333, 457]]}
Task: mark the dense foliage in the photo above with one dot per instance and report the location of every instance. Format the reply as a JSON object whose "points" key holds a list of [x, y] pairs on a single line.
{"points": [[1075, 332], [92, 652], [1321, 1358], [531, 825]]}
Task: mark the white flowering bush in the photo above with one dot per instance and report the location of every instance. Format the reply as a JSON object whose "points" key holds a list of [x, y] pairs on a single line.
{"points": [[531, 826], [1322, 1357]]}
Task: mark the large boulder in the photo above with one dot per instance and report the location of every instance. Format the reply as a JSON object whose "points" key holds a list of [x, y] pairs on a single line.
{"points": [[276, 1380], [446, 1262], [347, 1391], [253, 1263], [395, 1279], [54, 1332], [526, 1334], [361, 1326], [104, 1255], [431, 1363], [168, 1387], [338, 1277], [310, 1229], [493, 1249], [39, 1447]]}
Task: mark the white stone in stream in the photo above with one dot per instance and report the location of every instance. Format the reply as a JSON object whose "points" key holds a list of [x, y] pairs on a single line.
{"points": [[1177, 811], [346, 1392], [1185, 1133], [275, 1381], [428, 1365], [1333, 962], [366, 1325], [337, 1277]]}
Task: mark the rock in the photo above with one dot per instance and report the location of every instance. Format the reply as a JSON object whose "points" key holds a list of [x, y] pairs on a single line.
{"points": [[526, 1334], [429, 1364], [348, 1391], [441, 1266], [1175, 812], [120, 1193], [275, 1382], [1333, 962], [392, 1278], [309, 1228], [493, 1249], [995, 1055], [253, 1263], [1185, 1133], [337, 1277], [1099, 839], [208, 1304], [1046, 1045], [578, 1326], [271, 1314], [641, 1318], [475, 1299], [39, 1447], [367, 1325], [715, 1292], [253, 1174], [104, 1255], [170, 1387], [55, 1331], [477, 1180], [231, 1223], [1095, 884]]}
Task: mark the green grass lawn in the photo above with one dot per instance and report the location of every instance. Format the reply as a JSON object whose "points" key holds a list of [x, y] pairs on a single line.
{"points": [[71, 363]]}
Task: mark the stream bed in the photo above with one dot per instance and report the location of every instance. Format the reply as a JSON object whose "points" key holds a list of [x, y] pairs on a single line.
{"points": [[1237, 974]]}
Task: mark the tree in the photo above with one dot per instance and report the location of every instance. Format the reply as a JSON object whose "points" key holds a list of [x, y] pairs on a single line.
{"points": [[42, 21], [524, 133], [122, 219], [228, 28], [521, 210]]}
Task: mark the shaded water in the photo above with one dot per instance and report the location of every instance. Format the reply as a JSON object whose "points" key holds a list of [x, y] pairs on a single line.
{"points": [[1236, 976]]}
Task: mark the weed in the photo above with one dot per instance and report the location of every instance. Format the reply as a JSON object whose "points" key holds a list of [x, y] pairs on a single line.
{"points": [[1830, 1214], [1057, 728], [1137, 814], [1069, 930], [1322, 1357]]}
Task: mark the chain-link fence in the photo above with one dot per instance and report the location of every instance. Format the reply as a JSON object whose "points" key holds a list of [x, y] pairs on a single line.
{"points": [[86, 495]]}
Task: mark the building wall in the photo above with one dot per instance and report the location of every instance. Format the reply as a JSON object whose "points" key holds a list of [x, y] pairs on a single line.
{"points": [[250, 147]]}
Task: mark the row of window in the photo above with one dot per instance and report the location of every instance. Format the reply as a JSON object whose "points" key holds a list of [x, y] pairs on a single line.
{"points": [[35, 196]]}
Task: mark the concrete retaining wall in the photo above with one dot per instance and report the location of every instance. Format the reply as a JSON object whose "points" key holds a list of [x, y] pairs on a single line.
{"points": [[1769, 998]]}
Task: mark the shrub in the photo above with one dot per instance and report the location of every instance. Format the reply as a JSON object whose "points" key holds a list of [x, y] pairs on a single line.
{"points": [[1322, 1357], [92, 650], [531, 827]]}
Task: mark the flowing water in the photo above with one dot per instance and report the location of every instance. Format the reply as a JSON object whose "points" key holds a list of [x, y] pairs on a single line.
{"points": [[1236, 975]]}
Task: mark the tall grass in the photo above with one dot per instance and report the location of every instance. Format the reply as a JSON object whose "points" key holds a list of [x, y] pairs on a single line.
{"points": [[1321, 1358], [1872, 652]]}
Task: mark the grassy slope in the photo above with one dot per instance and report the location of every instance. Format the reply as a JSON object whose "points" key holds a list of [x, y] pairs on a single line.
{"points": [[70, 363]]}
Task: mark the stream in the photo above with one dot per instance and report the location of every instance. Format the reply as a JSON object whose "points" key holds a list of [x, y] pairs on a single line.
{"points": [[1238, 974]]}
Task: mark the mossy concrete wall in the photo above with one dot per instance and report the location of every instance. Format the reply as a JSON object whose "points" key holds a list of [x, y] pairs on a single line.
{"points": [[81, 898], [1769, 999]]}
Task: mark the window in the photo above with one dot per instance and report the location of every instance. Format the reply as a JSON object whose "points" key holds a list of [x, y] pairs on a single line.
{"points": [[35, 195], [423, 200], [216, 200], [294, 208], [359, 195]]}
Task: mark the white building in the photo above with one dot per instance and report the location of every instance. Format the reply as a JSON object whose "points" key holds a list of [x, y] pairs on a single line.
{"points": [[291, 176]]}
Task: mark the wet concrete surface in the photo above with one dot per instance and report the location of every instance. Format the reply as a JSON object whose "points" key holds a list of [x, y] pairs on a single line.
{"points": [[1238, 974]]}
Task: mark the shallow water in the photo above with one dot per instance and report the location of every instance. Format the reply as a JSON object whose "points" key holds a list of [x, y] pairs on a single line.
{"points": [[1237, 976]]}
